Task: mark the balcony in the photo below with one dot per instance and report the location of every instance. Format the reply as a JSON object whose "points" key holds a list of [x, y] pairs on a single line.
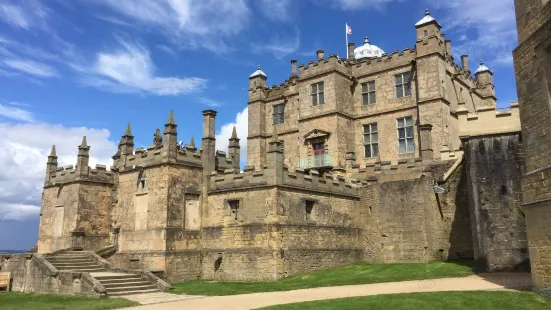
{"points": [[316, 162]]}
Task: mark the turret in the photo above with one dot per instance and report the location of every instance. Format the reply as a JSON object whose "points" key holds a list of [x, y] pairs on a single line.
{"points": [[429, 37], [51, 165], [209, 142], [83, 158], [170, 141], [257, 79], [484, 76], [126, 147], [234, 150]]}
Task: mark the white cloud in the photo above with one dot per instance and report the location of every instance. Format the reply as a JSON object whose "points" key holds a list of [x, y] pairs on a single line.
{"points": [[192, 23], [492, 23], [23, 154], [129, 69], [167, 50], [31, 67], [209, 102], [278, 10], [24, 14], [242, 127], [360, 4], [279, 46], [11, 111]]}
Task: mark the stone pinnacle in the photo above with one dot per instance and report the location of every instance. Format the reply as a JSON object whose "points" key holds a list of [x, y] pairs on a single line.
{"points": [[52, 152], [128, 131], [83, 144], [192, 142], [234, 133], [171, 118]]}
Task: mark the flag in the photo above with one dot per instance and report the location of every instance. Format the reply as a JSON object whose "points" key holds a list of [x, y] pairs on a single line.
{"points": [[348, 29]]}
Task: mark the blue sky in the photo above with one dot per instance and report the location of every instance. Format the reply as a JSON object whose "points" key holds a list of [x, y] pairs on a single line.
{"points": [[87, 67]]}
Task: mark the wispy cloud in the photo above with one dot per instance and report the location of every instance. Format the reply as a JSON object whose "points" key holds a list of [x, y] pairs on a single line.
{"points": [[167, 50], [12, 111], [24, 14], [209, 102], [31, 67], [129, 69], [192, 23], [278, 10], [280, 46], [488, 32]]}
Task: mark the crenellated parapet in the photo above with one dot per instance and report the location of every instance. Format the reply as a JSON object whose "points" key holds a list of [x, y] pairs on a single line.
{"points": [[388, 171], [488, 120], [69, 174], [366, 66], [153, 155], [332, 64]]}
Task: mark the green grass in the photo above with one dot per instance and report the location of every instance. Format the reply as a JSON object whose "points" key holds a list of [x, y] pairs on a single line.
{"points": [[360, 273], [430, 301], [21, 301]]}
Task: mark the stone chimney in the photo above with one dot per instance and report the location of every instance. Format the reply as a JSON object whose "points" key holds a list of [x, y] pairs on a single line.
{"points": [[465, 63], [209, 142], [293, 68], [234, 150], [351, 48], [320, 54], [448, 47]]}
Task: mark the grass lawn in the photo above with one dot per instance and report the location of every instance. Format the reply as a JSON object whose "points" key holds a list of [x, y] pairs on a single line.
{"points": [[430, 301], [360, 273], [23, 301]]}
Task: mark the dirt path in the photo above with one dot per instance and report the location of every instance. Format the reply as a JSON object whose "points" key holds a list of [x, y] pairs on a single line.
{"points": [[258, 300]]}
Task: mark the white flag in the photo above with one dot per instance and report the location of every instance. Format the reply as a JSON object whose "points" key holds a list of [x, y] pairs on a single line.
{"points": [[348, 29]]}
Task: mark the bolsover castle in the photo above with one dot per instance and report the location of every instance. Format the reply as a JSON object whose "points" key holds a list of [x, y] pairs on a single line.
{"points": [[379, 157]]}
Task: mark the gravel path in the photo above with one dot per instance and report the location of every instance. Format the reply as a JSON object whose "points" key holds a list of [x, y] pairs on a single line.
{"points": [[484, 282]]}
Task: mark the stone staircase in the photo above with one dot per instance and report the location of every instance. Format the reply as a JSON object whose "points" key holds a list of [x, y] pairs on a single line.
{"points": [[115, 283]]}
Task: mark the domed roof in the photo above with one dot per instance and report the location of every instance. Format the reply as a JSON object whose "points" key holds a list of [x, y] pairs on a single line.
{"points": [[368, 51], [258, 72], [482, 68]]}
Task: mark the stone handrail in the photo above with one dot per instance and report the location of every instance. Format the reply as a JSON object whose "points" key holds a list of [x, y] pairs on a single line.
{"points": [[45, 264], [95, 284], [110, 249], [161, 284]]}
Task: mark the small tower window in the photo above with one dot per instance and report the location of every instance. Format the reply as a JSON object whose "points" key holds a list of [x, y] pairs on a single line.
{"points": [[426, 33], [142, 183], [234, 207], [309, 206]]}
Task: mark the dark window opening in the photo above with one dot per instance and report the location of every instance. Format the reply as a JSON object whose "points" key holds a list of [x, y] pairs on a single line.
{"points": [[217, 263], [234, 207], [318, 95], [403, 85], [309, 206], [141, 184], [278, 115], [368, 93]]}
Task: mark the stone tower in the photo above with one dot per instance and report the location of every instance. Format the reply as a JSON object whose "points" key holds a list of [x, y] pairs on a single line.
{"points": [[533, 74]]}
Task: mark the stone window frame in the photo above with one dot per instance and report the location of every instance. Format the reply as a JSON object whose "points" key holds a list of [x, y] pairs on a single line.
{"points": [[278, 113], [305, 203], [408, 136], [369, 95], [403, 84], [371, 145], [318, 93], [234, 209]]}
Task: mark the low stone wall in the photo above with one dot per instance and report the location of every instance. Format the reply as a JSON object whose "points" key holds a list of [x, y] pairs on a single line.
{"points": [[32, 273]]}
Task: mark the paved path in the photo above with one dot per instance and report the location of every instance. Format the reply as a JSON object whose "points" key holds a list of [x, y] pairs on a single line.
{"points": [[258, 300]]}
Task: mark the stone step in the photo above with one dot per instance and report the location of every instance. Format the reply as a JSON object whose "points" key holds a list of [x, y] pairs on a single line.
{"points": [[84, 269], [74, 264], [120, 281], [66, 259], [132, 292], [117, 277], [126, 284], [79, 267], [130, 288]]}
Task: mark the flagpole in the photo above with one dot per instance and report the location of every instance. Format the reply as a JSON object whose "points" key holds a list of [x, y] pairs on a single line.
{"points": [[346, 33]]}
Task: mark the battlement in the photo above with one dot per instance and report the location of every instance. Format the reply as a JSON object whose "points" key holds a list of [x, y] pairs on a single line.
{"points": [[332, 63], [384, 171], [312, 180], [488, 120], [397, 59], [69, 174]]}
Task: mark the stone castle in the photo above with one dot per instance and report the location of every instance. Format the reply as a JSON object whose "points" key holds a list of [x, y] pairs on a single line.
{"points": [[379, 157]]}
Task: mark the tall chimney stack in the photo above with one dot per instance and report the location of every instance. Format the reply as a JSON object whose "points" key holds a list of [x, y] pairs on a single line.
{"points": [[351, 48], [321, 55], [293, 68], [465, 63]]}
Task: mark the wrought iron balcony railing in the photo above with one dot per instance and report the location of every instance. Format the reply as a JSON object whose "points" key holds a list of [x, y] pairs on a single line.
{"points": [[316, 161]]}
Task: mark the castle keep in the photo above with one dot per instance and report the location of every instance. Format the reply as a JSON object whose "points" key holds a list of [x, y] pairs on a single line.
{"points": [[379, 157]]}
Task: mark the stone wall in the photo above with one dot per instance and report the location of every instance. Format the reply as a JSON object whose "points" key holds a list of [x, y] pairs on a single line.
{"points": [[494, 168], [533, 75], [31, 273]]}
